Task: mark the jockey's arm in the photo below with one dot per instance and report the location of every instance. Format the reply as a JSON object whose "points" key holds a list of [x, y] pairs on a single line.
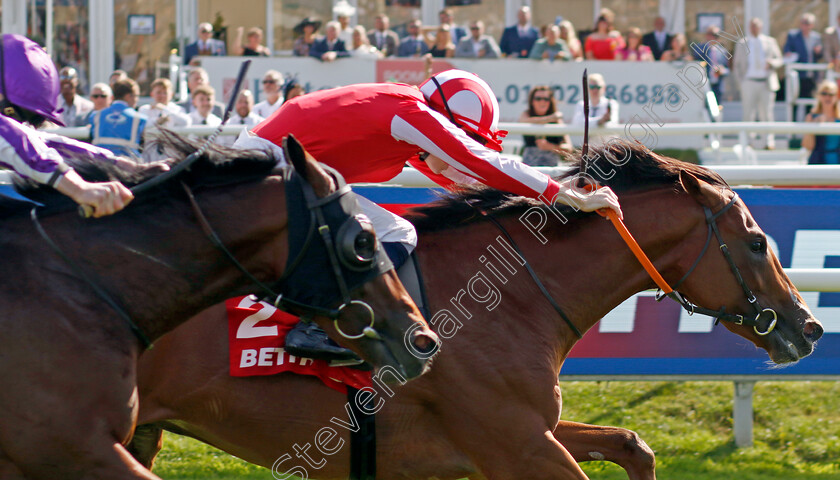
{"points": [[451, 146]]}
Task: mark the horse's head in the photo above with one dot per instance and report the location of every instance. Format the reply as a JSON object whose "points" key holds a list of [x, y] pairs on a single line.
{"points": [[338, 273], [716, 282]]}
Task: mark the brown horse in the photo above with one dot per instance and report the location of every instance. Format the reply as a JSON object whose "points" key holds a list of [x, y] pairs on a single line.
{"points": [[68, 360], [490, 406]]}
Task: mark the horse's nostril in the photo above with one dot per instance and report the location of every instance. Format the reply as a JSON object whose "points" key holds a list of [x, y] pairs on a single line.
{"points": [[425, 344], [812, 331]]}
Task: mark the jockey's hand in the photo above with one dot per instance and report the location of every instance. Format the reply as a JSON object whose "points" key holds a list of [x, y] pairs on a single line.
{"points": [[130, 165], [588, 201], [105, 198]]}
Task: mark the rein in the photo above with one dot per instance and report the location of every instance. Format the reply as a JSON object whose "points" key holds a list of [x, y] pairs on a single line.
{"points": [[531, 271]]}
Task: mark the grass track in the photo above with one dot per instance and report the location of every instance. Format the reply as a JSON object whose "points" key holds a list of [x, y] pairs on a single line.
{"points": [[689, 426]]}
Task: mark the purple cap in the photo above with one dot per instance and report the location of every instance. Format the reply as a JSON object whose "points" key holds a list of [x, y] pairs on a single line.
{"points": [[30, 78]]}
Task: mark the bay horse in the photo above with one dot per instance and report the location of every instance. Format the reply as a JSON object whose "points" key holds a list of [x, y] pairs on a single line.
{"points": [[68, 359], [490, 406]]}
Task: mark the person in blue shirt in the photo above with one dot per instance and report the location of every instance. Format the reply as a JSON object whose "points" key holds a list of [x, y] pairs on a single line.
{"points": [[517, 40], [330, 47], [119, 128], [413, 44]]}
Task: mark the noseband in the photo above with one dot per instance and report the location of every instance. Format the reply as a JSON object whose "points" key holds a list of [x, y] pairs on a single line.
{"points": [[721, 315]]}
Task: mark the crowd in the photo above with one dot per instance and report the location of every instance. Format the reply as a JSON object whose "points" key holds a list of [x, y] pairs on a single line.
{"points": [[753, 70], [556, 41], [118, 124]]}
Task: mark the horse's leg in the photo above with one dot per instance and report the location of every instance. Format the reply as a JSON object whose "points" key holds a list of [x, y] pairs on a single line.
{"points": [[618, 445], [146, 444], [502, 450]]}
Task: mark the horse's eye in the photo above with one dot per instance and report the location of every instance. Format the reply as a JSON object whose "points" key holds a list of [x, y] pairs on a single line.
{"points": [[758, 246]]}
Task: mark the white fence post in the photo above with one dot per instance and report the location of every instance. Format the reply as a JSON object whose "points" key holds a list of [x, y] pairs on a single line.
{"points": [[742, 414]]}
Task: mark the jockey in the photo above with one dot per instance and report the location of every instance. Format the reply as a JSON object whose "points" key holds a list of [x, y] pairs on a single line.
{"points": [[447, 128], [29, 91]]}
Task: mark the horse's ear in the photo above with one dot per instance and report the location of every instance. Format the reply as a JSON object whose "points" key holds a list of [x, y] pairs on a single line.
{"points": [[704, 193], [307, 167]]}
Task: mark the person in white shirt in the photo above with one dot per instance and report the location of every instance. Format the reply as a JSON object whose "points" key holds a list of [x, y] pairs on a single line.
{"points": [[477, 44], [755, 64], [203, 98], [603, 111], [76, 108], [272, 83], [101, 95], [161, 113], [343, 12], [360, 47], [243, 114]]}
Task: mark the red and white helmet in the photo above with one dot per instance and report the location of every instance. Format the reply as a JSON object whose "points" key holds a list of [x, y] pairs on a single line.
{"points": [[468, 101]]}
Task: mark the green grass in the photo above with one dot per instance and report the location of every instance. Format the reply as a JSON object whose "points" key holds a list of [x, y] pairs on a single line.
{"points": [[688, 425]]}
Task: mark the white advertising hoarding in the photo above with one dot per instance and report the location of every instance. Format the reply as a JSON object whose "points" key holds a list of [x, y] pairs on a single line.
{"points": [[648, 93]]}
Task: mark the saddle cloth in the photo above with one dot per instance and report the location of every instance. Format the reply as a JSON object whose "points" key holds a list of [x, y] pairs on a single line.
{"points": [[257, 333]]}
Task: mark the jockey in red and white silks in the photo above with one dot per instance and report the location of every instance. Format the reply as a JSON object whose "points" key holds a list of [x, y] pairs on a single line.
{"points": [[369, 131]]}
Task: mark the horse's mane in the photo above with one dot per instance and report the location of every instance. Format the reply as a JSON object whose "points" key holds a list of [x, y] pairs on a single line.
{"points": [[218, 165], [644, 170]]}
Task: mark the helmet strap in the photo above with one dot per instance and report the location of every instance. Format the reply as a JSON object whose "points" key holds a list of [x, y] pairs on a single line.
{"points": [[445, 103]]}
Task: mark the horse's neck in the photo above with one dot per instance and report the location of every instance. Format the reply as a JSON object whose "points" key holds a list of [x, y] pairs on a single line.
{"points": [[585, 266], [162, 268]]}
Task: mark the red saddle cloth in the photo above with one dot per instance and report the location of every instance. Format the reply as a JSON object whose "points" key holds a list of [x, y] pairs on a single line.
{"points": [[257, 333]]}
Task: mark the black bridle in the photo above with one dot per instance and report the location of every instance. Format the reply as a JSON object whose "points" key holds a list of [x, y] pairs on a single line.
{"points": [[721, 314], [318, 221]]}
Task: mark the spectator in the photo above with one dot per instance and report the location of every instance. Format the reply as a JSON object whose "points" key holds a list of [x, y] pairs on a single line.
{"points": [[119, 128], [76, 108], [361, 47], [101, 95], [804, 46], [634, 50], [197, 77], [518, 40], [382, 37], [306, 30], [330, 47], [552, 47], [678, 51], [413, 44], [542, 109], [116, 76], [603, 42], [205, 45], [253, 46], [831, 45], [203, 98], [477, 45], [755, 64], [569, 35], [343, 11], [243, 114], [716, 58], [825, 149], [658, 40], [292, 89], [603, 112], [447, 18], [443, 47], [162, 112], [272, 83]]}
